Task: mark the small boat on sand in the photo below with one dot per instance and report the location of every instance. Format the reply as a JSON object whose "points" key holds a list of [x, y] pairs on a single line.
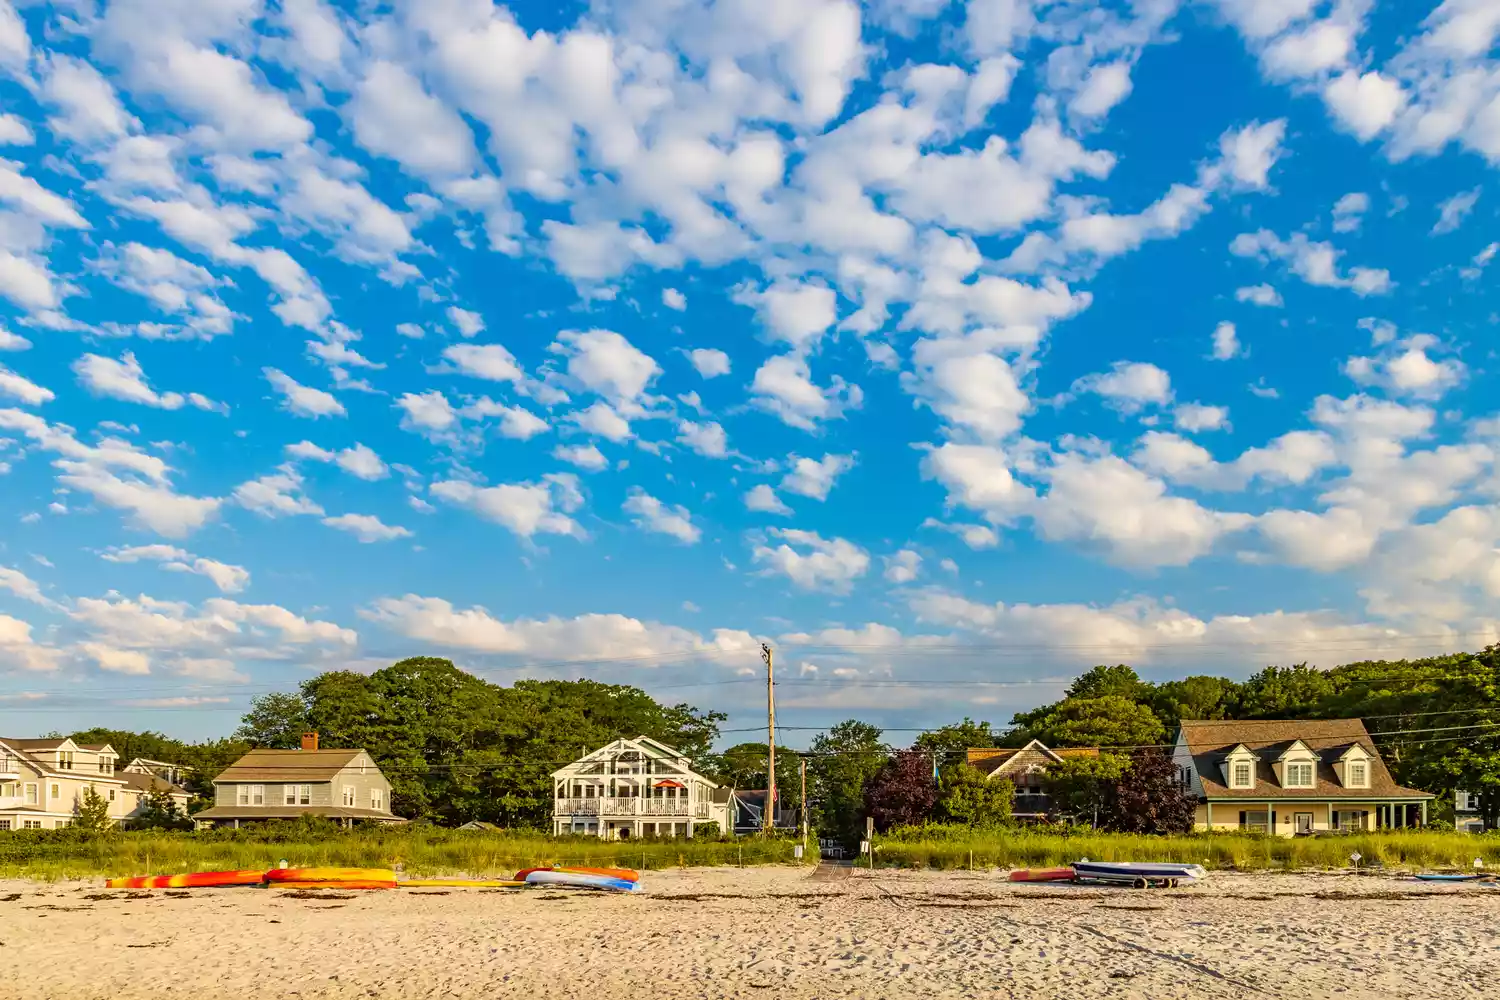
{"points": [[580, 880], [1140, 874], [188, 880], [331, 878], [1043, 875], [1455, 877]]}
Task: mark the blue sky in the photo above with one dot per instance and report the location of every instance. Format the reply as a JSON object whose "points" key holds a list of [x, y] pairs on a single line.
{"points": [[950, 348]]}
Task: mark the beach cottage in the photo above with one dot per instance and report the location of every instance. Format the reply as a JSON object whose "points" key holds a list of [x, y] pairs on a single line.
{"points": [[1291, 777], [43, 781], [636, 788], [1467, 816], [1027, 767], [342, 785]]}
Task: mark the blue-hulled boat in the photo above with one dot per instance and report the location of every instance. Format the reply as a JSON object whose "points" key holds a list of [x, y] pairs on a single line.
{"points": [[1138, 873]]}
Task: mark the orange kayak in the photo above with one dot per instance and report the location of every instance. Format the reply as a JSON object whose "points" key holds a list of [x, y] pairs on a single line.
{"points": [[628, 874], [335, 886], [1043, 875], [191, 880], [348, 878]]}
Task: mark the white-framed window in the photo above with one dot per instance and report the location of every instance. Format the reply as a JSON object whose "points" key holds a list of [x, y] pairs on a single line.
{"points": [[1299, 774], [349, 798], [111, 795], [106, 765], [31, 824], [289, 795], [376, 799], [1359, 774], [31, 793], [56, 791], [4, 824], [250, 795], [1240, 777], [65, 760], [304, 795]]}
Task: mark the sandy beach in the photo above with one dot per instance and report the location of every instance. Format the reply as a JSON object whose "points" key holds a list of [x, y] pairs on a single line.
{"points": [[766, 932]]}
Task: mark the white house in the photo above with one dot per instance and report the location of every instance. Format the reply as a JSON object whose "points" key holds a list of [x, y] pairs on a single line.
{"points": [[636, 788], [1467, 817]]}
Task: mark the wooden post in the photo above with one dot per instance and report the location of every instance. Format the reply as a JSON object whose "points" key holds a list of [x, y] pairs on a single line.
{"points": [[802, 767], [768, 814]]}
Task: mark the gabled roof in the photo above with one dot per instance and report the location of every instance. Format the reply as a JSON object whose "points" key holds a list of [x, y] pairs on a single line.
{"points": [[26, 751], [150, 782], [1210, 742], [988, 761], [289, 765], [654, 749]]}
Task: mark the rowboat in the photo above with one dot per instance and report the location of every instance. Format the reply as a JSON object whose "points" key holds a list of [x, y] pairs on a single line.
{"points": [[1137, 873]]}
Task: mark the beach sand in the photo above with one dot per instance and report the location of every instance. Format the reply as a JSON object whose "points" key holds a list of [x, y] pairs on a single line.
{"points": [[761, 932]]}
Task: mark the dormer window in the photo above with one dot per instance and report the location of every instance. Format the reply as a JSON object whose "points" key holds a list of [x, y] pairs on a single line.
{"points": [[65, 760], [1299, 774], [1359, 774], [1241, 774]]}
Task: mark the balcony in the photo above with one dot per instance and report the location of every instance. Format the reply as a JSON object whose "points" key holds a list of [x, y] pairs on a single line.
{"points": [[627, 806], [10, 768]]}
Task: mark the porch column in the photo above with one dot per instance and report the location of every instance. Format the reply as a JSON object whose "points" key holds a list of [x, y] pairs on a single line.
{"points": [[1208, 815], [1424, 812], [1270, 819], [1331, 824]]}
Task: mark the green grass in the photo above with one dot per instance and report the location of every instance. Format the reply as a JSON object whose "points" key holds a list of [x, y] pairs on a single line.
{"points": [[430, 852], [1021, 849]]}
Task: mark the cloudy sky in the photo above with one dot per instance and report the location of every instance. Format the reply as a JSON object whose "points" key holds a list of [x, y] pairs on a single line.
{"points": [[948, 347]]}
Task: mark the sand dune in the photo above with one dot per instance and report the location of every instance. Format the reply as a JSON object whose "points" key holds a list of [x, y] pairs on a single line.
{"points": [[769, 932]]}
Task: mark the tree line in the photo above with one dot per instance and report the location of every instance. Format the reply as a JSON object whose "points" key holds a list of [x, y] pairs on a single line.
{"points": [[457, 747]]}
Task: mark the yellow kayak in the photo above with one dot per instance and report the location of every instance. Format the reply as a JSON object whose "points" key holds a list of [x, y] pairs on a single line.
{"points": [[350, 877]]}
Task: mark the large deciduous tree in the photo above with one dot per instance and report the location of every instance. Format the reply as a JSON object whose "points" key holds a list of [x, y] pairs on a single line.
{"points": [[1109, 720], [1148, 797], [903, 792], [841, 762], [971, 797], [951, 743]]}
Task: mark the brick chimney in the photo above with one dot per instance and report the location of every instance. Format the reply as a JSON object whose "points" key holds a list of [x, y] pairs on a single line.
{"points": [[309, 741]]}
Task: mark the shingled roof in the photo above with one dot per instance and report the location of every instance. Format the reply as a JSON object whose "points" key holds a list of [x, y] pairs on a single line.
{"points": [[289, 765], [1209, 742]]}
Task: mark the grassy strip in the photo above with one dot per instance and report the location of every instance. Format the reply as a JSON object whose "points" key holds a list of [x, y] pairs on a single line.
{"points": [[48, 855], [1022, 849]]}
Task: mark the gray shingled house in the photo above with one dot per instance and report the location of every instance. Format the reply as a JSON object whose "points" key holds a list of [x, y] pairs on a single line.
{"points": [[342, 785]]}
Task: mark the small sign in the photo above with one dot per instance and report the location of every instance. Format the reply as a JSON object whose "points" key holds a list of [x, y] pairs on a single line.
{"points": [[864, 847], [797, 852], [1355, 857], [1478, 862]]}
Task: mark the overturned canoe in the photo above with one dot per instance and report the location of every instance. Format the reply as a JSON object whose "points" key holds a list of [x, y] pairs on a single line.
{"points": [[1043, 875], [346, 878], [458, 883], [627, 874], [192, 880], [1138, 873], [580, 880]]}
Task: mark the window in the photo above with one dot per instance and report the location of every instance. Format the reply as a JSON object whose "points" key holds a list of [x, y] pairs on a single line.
{"points": [[111, 795], [1241, 774], [250, 795], [289, 795], [106, 765], [4, 824], [31, 795], [65, 760], [349, 795], [1255, 821], [56, 791], [298, 795], [1299, 775], [375, 799], [242, 795], [31, 824], [1359, 774]]}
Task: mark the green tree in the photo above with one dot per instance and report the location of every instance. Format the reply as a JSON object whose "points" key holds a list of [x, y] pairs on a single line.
{"points": [[1197, 697], [276, 721], [902, 792], [1148, 797], [843, 760], [159, 812], [91, 815], [744, 766], [969, 796], [1106, 721], [1100, 681], [1078, 787], [1295, 692], [951, 744]]}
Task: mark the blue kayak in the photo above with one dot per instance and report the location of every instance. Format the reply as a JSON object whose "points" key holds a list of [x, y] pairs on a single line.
{"points": [[581, 880], [1440, 877]]}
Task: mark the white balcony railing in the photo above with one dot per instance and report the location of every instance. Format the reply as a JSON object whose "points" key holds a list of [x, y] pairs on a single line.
{"points": [[629, 805]]}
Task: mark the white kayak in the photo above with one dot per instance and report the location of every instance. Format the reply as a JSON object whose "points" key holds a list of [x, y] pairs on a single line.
{"points": [[582, 880]]}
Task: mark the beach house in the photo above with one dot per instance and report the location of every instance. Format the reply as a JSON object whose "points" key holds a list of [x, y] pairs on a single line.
{"points": [[1027, 768], [636, 788], [1467, 816], [1291, 777], [341, 785], [43, 782]]}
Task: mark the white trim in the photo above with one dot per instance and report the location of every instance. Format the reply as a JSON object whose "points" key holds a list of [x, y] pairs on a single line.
{"points": [[1312, 774]]}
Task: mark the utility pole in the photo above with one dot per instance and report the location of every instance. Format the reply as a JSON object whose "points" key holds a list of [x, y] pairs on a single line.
{"points": [[802, 766], [768, 814]]}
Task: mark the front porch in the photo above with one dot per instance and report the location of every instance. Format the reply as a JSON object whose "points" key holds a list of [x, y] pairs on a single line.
{"points": [[1291, 817]]}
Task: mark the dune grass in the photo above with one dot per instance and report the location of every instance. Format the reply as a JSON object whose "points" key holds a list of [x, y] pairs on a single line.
{"points": [[1418, 849], [429, 851], [51, 855]]}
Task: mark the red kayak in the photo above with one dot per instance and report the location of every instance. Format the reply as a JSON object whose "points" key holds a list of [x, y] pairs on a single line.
{"points": [[628, 874], [192, 880], [1043, 875]]}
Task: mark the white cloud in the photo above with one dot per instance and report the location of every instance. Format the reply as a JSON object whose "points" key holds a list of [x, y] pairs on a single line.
{"points": [[707, 439], [1349, 211], [903, 567], [486, 361], [824, 564], [229, 579], [466, 322], [22, 586], [1226, 342], [585, 456], [1250, 153], [1260, 295], [1406, 369], [975, 536], [426, 411], [673, 299], [1364, 103], [1129, 386], [710, 363], [763, 498], [1453, 211], [650, 514], [359, 461], [12, 341], [1105, 87], [1193, 417], [367, 527], [815, 477], [301, 400], [525, 509], [606, 363], [601, 420], [979, 477], [124, 380], [794, 313], [588, 637], [15, 132], [1314, 262], [393, 116], [783, 386], [22, 388], [277, 494]]}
